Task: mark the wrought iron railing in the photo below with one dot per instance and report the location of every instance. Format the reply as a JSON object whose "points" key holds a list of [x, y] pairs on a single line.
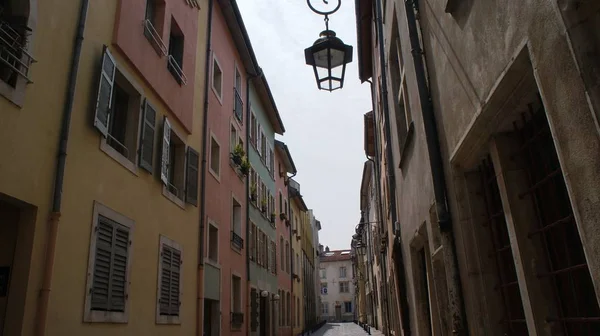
{"points": [[237, 319], [176, 70], [238, 106], [237, 240], [154, 37], [14, 58]]}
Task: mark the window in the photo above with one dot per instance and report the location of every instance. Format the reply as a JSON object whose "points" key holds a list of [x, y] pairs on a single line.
{"points": [[344, 287], [289, 310], [297, 311], [342, 272], [169, 274], [108, 267], [176, 43], [236, 302], [117, 114], [254, 309], [348, 306], [399, 101], [258, 138], [280, 306], [293, 263], [324, 308], [282, 253], [179, 167], [324, 288], [238, 103], [253, 129], [280, 202], [287, 257], [263, 146], [323, 273], [217, 79], [251, 244], [236, 217], [153, 25], [213, 243], [15, 59], [215, 157]]}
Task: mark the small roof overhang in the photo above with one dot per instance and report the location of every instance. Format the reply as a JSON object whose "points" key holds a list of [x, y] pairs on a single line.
{"points": [[364, 27], [286, 157]]}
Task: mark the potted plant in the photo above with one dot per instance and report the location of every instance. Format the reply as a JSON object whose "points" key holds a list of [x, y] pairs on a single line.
{"points": [[253, 194], [238, 154], [245, 167], [282, 216], [273, 216], [263, 205]]}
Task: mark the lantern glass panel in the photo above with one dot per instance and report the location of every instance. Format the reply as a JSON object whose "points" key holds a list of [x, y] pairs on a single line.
{"points": [[336, 56]]}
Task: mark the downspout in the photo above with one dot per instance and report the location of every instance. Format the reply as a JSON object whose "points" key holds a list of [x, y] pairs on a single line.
{"points": [[456, 304], [291, 260], [403, 298], [200, 287], [54, 218], [248, 79]]}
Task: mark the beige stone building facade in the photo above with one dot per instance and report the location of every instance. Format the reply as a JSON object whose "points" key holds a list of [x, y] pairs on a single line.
{"points": [[485, 141]]}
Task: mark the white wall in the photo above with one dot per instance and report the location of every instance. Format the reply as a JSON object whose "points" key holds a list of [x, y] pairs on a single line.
{"points": [[333, 295]]}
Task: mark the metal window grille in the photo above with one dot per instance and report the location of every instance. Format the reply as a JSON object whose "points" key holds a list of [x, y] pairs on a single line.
{"points": [[507, 286], [577, 308]]}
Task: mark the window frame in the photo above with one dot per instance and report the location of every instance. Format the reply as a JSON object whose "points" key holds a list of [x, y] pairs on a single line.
{"points": [[216, 175], [218, 92], [180, 201], [99, 316], [207, 259], [167, 319]]}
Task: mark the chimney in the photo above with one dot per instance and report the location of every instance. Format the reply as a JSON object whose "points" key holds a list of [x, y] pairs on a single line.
{"points": [[327, 249]]}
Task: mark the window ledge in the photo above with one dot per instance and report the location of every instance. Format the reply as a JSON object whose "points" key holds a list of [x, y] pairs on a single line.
{"points": [[97, 316], [175, 320], [219, 97], [112, 153], [234, 248], [215, 175], [236, 170], [171, 197], [15, 95], [212, 263]]}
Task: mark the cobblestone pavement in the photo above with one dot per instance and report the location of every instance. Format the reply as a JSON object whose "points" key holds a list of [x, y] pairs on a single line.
{"points": [[343, 329]]}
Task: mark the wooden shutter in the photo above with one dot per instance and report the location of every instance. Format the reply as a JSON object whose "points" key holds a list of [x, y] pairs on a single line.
{"points": [[105, 90], [109, 283], [191, 177], [147, 137], [170, 281], [164, 165]]}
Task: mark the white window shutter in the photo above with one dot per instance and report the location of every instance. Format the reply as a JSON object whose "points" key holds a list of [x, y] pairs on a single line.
{"points": [[147, 137], [105, 90], [164, 165]]}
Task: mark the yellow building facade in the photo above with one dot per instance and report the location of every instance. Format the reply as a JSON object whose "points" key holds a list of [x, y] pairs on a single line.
{"points": [[115, 248], [298, 211]]}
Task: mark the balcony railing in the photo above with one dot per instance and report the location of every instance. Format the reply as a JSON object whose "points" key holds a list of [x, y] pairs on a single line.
{"points": [[237, 319], [14, 58], [238, 106], [177, 71], [154, 37], [237, 240]]}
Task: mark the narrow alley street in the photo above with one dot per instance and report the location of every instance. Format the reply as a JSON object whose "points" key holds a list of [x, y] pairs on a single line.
{"points": [[343, 329]]}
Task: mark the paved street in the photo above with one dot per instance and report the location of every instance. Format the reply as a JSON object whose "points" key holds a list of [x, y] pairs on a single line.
{"points": [[343, 329]]}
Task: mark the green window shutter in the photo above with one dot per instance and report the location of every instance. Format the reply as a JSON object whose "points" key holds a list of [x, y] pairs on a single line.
{"points": [[164, 162], [105, 90], [191, 179], [147, 137]]}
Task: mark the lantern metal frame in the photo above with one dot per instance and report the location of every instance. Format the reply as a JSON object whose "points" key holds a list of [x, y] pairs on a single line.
{"points": [[328, 41]]}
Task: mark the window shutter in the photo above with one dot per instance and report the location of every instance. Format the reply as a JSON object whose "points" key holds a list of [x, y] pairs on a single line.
{"points": [[102, 261], [110, 266], [105, 89], [119, 271], [169, 281], [251, 241], [191, 177], [147, 137], [164, 164]]}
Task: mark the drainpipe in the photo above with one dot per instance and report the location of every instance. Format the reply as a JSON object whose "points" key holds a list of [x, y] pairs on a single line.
{"points": [[54, 218], [456, 304], [200, 288], [391, 182], [291, 258], [248, 79]]}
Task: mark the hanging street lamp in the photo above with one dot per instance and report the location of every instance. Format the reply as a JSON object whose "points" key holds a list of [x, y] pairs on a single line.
{"points": [[328, 55]]}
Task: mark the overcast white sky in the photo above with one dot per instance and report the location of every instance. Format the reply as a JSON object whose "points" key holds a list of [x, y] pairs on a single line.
{"points": [[324, 131]]}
